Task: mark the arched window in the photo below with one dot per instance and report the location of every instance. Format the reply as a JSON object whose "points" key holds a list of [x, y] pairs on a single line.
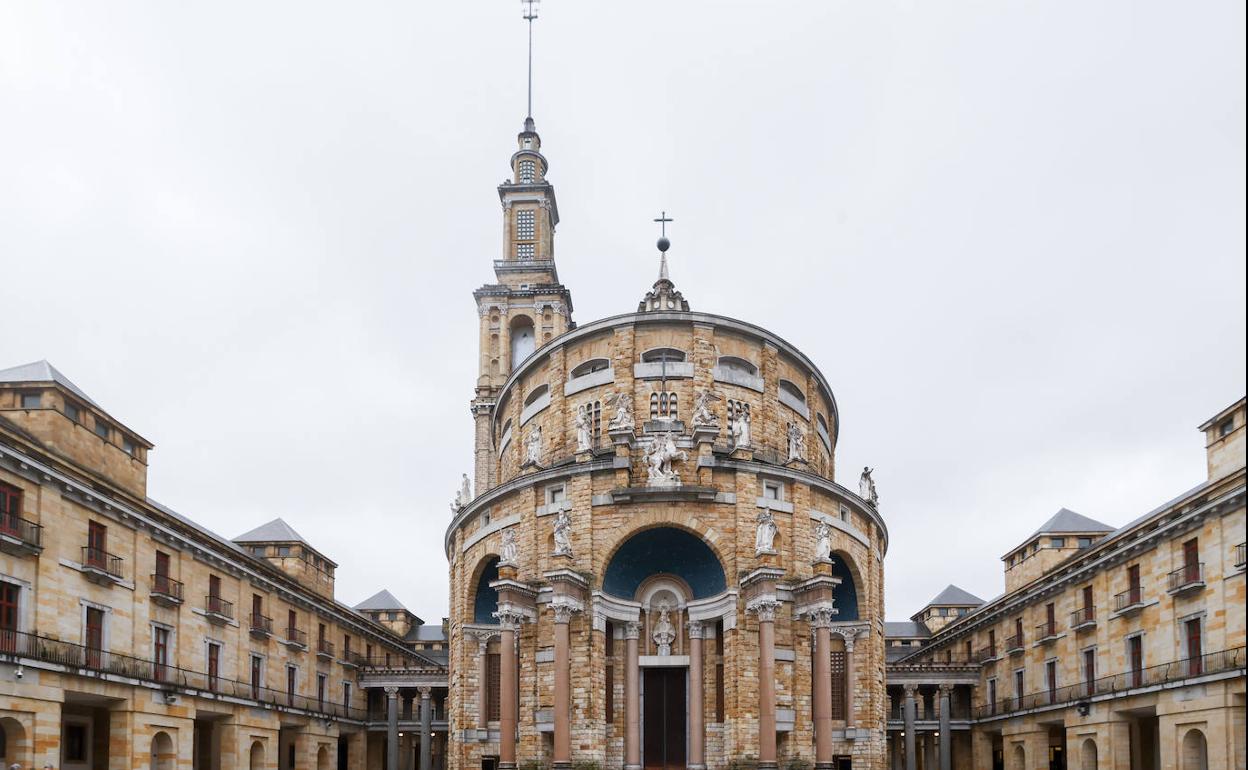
{"points": [[536, 394], [523, 340], [485, 600], [528, 172], [590, 366], [740, 365], [793, 397], [664, 405], [656, 355]]}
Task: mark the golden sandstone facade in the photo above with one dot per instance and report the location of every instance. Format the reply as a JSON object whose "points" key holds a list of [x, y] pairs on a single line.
{"points": [[658, 567], [131, 637]]}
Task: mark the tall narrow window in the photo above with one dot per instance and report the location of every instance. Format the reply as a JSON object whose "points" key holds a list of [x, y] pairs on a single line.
{"points": [[1191, 561], [1050, 619], [97, 544], [292, 624], [719, 692], [346, 695], [256, 663], [10, 509], [838, 684], [94, 641], [214, 665], [9, 593], [320, 692], [492, 693], [1195, 664], [290, 684], [528, 172], [160, 652], [992, 696], [1087, 602], [992, 643], [526, 225], [526, 250], [610, 699], [1018, 687], [1089, 670], [1135, 652], [1050, 678]]}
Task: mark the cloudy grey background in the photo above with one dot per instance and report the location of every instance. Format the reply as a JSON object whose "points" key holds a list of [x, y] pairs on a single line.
{"points": [[1011, 234]]}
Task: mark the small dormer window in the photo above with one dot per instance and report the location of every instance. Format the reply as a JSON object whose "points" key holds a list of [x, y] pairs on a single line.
{"points": [[101, 428], [1057, 542], [72, 411], [528, 171], [1084, 542], [127, 445], [1226, 427], [32, 400], [283, 550]]}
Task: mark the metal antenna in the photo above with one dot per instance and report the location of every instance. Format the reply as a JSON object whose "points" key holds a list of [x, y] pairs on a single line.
{"points": [[530, 13]]}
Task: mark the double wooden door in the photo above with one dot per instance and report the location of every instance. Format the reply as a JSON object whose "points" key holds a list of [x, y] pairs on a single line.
{"points": [[664, 718]]}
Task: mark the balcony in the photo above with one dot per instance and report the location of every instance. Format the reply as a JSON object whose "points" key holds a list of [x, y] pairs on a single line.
{"points": [[260, 626], [1240, 556], [1046, 632], [19, 536], [1014, 645], [296, 639], [218, 610], [17, 646], [1083, 618], [1129, 601], [987, 654], [353, 659], [324, 649], [100, 566], [1189, 577], [166, 591]]}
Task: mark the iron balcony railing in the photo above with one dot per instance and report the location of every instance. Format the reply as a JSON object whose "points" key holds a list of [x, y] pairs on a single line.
{"points": [[324, 647], [1132, 597], [1187, 576], [261, 625], [1082, 617], [297, 637], [163, 585], [101, 560], [1211, 663], [1241, 555], [17, 644], [22, 530], [987, 653], [939, 659], [215, 605], [1046, 630], [1014, 643], [379, 713]]}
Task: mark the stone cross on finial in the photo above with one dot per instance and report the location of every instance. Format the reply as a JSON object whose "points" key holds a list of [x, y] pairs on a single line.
{"points": [[663, 220]]}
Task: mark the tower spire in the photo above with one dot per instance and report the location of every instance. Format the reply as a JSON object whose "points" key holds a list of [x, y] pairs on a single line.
{"points": [[664, 295], [530, 13]]}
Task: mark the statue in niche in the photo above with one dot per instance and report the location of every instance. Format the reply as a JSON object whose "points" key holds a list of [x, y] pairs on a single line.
{"points": [[741, 427], [533, 446], [797, 442], [703, 415], [823, 542], [508, 551], [664, 631], [866, 487], [584, 438], [563, 534], [765, 534], [623, 417], [659, 457]]}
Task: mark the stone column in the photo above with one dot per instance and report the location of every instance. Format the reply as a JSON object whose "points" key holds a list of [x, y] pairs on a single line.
{"points": [[849, 682], [821, 683], [562, 758], [946, 737], [907, 709], [426, 728], [632, 699], [697, 712], [392, 727], [507, 693], [765, 608], [483, 686], [929, 746]]}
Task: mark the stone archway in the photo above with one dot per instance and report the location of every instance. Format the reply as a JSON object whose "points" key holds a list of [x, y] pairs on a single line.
{"points": [[664, 549], [845, 596], [485, 598], [14, 747], [163, 757], [1087, 759], [1195, 751], [256, 760]]}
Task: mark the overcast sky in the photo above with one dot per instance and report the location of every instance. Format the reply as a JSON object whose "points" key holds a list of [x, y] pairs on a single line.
{"points": [[1010, 234]]}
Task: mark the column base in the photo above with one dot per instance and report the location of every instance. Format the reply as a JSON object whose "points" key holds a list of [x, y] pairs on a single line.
{"points": [[695, 767], [506, 766], [770, 765], [561, 764], [632, 767], [825, 766]]}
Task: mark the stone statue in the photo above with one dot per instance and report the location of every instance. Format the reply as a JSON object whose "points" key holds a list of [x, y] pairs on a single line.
{"points": [[823, 542], [659, 457], [765, 535], [464, 496], [563, 534], [533, 446], [623, 417], [584, 438], [508, 551], [741, 427], [797, 442], [702, 412], [866, 487], [664, 631]]}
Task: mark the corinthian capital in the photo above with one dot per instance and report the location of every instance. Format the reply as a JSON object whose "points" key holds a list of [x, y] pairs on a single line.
{"points": [[821, 617], [765, 607]]}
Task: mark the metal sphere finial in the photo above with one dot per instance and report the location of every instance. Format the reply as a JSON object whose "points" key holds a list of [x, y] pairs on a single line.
{"points": [[664, 244]]}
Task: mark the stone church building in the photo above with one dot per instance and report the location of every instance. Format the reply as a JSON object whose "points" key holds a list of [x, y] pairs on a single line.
{"points": [[658, 566]]}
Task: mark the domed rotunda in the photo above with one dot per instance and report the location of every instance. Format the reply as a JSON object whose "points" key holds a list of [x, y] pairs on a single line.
{"points": [[657, 567]]}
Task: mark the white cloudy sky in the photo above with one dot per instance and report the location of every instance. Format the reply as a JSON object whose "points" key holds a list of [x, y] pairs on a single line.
{"points": [[1010, 233]]}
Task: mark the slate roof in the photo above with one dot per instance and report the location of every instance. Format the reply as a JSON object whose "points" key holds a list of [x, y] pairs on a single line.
{"points": [[42, 371], [955, 597], [905, 628], [276, 531], [382, 600], [1067, 520], [427, 633]]}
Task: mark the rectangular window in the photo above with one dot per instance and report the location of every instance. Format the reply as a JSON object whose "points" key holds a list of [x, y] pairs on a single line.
{"points": [[101, 428], [292, 622], [346, 695], [526, 250], [346, 645], [1087, 598], [1084, 542], [162, 564], [1089, 669], [1191, 560], [1195, 664], [32, 400], [290, 684], [492, 694], [97, 544], [94, 641], [160, 652], [9, 593], [772, 490], [1226, 427], [526, 225], [73, 412], [992, 695], [719, 692], [10, 509], [838, 684], [256, 681], [1050, 678], [528, 171], [610, 701], [1057, 542], [1135, 655], [127, 445], [1018, 685], [214, 665], [320, 692]]}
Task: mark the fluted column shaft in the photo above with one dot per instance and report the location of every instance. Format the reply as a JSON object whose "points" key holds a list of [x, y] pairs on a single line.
{"points": [[697, 712], [908, 707], [632, 699]]}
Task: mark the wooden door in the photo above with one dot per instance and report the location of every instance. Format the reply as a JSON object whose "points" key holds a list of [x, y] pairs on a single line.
{"points": [[663, 720], [95, 637], [9, 593]]}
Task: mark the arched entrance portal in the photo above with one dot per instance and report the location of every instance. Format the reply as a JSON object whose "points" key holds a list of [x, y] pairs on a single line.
{"points": [[662, 572]]}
